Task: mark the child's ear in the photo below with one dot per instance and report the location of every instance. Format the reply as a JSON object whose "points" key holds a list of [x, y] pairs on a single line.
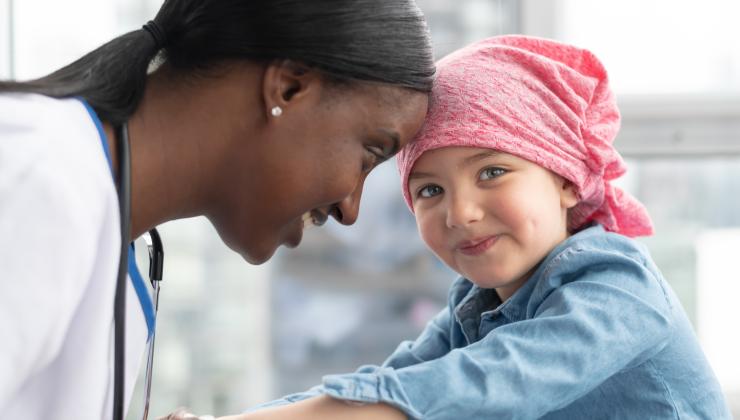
{"points": [[568, 194]]}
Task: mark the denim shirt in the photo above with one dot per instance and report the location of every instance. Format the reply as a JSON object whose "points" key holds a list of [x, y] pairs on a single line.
{"points": [[595, 333]]}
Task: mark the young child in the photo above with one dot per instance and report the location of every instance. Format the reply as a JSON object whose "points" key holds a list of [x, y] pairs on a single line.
{"points": [[558, 313]]}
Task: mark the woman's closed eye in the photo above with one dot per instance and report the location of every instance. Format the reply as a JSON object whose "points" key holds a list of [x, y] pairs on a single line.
{"points": [[491, 172], [429, 191], [373, 156]]}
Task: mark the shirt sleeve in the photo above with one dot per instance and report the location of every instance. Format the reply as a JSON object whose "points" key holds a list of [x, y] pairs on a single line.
{"points": [[605, 316], [432, 343], [48, 233]]}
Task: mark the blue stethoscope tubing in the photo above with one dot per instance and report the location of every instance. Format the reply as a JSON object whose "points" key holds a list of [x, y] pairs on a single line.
{"points": [[156, 259]]}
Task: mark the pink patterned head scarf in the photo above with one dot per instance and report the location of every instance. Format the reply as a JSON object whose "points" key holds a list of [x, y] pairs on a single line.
{"points": [[543, 101]]}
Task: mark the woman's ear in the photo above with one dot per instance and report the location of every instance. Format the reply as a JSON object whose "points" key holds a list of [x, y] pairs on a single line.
{"points": [[286, 82], [568, 194]]}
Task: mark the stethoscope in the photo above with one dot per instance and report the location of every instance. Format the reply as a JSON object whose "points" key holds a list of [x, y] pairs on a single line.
{"points": [[156, 260]]}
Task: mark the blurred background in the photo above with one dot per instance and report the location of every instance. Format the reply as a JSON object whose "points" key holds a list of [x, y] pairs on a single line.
{"points": [[232, 335]]}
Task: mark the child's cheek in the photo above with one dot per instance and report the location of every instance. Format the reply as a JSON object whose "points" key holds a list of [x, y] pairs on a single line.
{"points": [[431, 229]]}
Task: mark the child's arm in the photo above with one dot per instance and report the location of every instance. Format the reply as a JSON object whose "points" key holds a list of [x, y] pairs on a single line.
{"points": [[433, 342], [323, 408], [606, 313], [288, 399]]}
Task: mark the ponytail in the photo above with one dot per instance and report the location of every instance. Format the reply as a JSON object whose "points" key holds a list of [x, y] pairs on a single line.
{"points": [[352, 40]]}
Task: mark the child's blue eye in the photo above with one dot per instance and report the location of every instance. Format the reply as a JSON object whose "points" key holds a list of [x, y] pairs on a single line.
{"points": [[490, 173], [430, 191]]}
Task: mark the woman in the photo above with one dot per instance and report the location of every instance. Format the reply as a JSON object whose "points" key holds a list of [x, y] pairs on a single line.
{"points": [[260, 115]]}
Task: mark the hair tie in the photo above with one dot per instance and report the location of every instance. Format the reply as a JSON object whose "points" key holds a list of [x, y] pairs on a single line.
{"points": [[158, 35]]}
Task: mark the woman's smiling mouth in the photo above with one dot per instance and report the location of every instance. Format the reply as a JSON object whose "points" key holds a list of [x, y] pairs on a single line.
{"points": [[313, 218], [309, 219]]}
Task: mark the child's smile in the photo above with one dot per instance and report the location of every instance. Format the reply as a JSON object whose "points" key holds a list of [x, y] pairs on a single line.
{"points": [[476, 246], [490, 216]]}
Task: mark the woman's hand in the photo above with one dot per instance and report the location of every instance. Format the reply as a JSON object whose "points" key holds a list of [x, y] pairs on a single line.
{"points": [[183, 414]]}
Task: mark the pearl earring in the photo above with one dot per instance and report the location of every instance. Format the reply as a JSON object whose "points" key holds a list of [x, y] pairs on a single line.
{"points": [[276, 111]]}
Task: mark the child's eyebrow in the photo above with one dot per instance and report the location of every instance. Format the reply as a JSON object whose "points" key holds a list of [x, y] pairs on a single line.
{"points": [[478, 156], [417, 175], [466, 162]]}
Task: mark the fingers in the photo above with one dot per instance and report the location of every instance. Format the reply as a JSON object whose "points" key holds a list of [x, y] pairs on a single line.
{"points": [[183, 414]]}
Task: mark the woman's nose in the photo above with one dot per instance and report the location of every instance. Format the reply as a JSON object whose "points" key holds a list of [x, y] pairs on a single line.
{"points": [[463, 210], [347, 210]]}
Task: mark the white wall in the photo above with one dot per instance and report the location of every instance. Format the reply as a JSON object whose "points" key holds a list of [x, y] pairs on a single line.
{"points": [[5, 39]]}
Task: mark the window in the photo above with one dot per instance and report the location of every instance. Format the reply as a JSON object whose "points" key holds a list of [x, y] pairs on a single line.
{"points": [[676, 68]]}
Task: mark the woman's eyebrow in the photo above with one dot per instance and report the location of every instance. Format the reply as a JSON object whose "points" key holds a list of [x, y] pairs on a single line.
{"points": [[395, 139]]}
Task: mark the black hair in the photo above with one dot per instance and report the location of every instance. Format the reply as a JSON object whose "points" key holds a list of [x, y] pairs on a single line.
{"points": [[347, 40]]}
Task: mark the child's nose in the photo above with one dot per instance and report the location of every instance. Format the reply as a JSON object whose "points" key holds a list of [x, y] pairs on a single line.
{"points": [[463, 210]]}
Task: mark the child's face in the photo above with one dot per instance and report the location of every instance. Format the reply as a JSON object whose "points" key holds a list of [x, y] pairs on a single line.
{"points": [[490, 216]]}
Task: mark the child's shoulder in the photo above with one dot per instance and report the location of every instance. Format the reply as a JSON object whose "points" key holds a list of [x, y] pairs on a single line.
{"points": [[595, 245], [601, 258]]}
